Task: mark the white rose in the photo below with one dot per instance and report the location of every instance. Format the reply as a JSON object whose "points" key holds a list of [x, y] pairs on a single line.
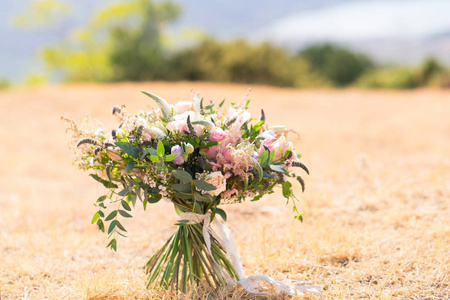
{"points": [[183, 106], [217, 180]]}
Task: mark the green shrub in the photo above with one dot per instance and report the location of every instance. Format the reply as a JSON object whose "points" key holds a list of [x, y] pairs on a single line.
{"points": [[389, 78], [4, 84], [339, 65], [241, 62]]}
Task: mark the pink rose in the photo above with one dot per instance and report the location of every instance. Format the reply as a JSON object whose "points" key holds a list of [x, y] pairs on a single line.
{"points": [[218, 135], [183, 106], [280, 146], [217, 180]]}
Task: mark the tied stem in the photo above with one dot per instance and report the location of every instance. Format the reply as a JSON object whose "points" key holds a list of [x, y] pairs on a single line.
{"points": [[185, 259]]}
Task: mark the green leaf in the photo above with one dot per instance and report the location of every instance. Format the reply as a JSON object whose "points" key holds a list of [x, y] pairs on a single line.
{"points": [[101, 199], [278, 168], [130, 166], [112, 215], [182, 187], [124, 214], [264, 157], [258, 168], [125, 205], [160, 149], [257, 197], [181, 175], [95, 218], [112, 226], [203, 185], [119, 225], [155, 159], [171, 157], [101, 214], [105, 183], [154, 199], [112, 244], [123, 192], [100, 225], [221, 213], [203, 197], [183, 196], [287, 191], [129, 149]]}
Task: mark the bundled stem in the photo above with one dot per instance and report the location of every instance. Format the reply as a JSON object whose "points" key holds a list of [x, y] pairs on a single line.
{"points": [[185, 259]]}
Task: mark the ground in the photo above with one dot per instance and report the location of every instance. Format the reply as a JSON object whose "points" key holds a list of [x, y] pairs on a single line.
{"points": [[377, 202]]}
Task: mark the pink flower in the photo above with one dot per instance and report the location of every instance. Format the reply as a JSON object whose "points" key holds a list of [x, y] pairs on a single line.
{"points": [[182, 106], [179, 124], [217, 180], [280, 146], [218, 135]]}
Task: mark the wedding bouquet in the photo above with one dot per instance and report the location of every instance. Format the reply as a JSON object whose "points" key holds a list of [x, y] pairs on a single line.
{"points": [[198, 157]]}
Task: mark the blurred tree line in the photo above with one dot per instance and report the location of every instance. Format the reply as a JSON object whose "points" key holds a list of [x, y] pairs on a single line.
{"points": [[128, 41]]}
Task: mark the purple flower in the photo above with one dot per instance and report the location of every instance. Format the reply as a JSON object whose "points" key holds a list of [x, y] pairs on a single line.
{"points": [[179, 159]]}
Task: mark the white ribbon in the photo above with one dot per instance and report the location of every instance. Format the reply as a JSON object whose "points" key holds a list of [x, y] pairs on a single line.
{"points": [[253, 284]]}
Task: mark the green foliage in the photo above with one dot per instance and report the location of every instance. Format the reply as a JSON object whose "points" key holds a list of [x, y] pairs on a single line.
{"points": [[4, 84], [428, 71], [339, 65], [390, 78], [122, 42], [238, 61], [43, 13]]}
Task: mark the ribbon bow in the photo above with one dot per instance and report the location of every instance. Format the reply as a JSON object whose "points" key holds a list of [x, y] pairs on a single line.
{"points": [[253, 283]]}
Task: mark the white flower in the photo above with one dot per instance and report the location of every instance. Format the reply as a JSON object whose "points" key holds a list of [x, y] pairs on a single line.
{"points": [[182, 106], [218, 180]]}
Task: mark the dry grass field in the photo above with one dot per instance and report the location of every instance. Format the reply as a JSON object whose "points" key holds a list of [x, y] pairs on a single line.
{"points": [[377, 202]]}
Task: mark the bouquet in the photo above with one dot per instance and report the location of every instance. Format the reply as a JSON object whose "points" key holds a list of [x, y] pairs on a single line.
{"points": [[198, 157]]}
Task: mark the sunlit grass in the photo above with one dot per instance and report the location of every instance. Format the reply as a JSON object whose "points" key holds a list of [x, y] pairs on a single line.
{"points": [[377, 203]]}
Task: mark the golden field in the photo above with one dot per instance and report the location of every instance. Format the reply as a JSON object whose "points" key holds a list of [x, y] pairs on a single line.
{"points": [[377, 202]]}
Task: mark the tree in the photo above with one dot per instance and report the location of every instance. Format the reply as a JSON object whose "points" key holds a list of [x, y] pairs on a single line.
{"points": [[122, 42], [340, 65]]}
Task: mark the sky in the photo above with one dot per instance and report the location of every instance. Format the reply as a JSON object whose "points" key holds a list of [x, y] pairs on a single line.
{"points": [[402, 31], [364, 20]]}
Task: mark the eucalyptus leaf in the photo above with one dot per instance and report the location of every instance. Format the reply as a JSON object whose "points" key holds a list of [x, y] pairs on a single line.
{"points": [[124, 214], [130, 166], [183, 196], [181, 175], [203, 197], [129, 149], [278, 168], [112, 215], [123, 192], [106, 184], [112, 244], [182, 187], [203, 185], [125, 205], [95, 218], [221, 213], [101, 199], [154, 199]]}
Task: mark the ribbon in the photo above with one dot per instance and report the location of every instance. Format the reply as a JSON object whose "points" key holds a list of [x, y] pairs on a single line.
{"points": [[254, 283]]}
